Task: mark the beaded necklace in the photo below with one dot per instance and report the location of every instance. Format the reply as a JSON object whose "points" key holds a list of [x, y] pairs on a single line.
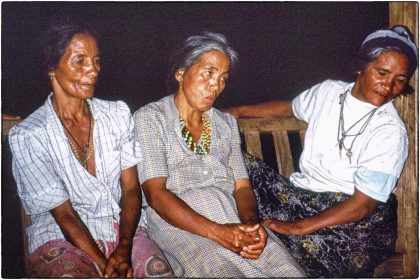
{"points": [[203, 145], [345, 133], [73, 148]]}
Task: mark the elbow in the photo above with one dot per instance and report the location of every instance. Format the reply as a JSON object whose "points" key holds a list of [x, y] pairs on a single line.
{"points": [[152, 199], [364, 210]]}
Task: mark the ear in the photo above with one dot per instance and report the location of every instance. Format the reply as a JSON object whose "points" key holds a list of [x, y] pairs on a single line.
{"points": [[51, 74], [179, 74]]}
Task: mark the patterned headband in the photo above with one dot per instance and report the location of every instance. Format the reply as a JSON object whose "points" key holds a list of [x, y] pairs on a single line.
{"points": [[397, 36]]}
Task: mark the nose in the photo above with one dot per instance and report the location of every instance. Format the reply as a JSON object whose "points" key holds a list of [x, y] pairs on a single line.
{"points": [[92, 70], [215, 84], [388, 83]]}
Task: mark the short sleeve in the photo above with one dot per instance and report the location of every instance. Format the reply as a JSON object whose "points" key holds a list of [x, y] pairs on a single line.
{"points": [[305, 103], [130, 147], [39, 186], [381, 162], [236, 161], [149, 133]]}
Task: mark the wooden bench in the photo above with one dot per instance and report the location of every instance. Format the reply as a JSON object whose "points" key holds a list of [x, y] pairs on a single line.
{"points": [[280, 130], [254, 128]]}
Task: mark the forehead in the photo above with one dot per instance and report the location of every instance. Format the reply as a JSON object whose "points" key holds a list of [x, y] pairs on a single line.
{"points": [[213, 58], [82, 42], [395, 60]]}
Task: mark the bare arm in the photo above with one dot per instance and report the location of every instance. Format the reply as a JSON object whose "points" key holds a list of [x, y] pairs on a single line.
{"points": [[351, 210], [76, 232], [272, 109], [119, 263], [247, 210], [180, 215], [245, 202]]}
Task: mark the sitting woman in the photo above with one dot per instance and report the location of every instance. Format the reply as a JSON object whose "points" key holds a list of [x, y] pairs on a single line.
{"points": [[338, 214], [74, 162], [200, 206]]}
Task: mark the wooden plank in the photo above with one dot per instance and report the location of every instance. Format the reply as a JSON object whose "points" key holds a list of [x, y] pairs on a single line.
{"points": [[406, 13], [391, 268], [269, 125], [302, 137], [253, 143], [6, 126], [283, 153]]}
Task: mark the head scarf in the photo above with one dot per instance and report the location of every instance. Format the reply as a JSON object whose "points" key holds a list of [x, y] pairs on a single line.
{"points": [[397, 36]]}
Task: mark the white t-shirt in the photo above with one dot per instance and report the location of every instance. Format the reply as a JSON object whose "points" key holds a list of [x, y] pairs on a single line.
{"points": [[378, 154]]}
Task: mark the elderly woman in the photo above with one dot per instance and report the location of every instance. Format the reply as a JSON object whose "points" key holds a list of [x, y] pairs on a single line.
{"points": [[338, 214], [74, 162], [200, 205]]}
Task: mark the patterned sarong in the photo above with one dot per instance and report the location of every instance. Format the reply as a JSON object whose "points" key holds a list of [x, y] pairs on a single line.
{"points": [[58, 258], [350, 250]]}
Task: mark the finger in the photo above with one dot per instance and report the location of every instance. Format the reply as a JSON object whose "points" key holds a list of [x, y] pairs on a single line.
{"points": [[130, 272], [249, 228], [109, 268], [255, 247], [267, 222], [248, 255], [122, 269]]}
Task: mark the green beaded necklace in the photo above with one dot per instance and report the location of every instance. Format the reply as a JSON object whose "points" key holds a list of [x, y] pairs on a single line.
{"points": [[203, 146]]}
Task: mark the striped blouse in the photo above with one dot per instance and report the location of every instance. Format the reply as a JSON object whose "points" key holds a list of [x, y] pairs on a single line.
{"points": [[47, 173]]}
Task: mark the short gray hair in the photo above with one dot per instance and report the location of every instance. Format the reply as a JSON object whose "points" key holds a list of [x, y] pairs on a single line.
{"points": [[188, 52]]}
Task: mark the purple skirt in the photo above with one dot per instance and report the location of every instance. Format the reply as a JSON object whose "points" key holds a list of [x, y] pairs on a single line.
{"points": [[59, 258]]}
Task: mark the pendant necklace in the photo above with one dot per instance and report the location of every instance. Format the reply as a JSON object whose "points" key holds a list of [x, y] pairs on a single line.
{"points": [[85, 151], [343, 133]]}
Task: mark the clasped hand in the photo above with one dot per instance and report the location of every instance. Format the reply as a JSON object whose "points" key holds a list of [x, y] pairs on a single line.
{"points": [[119, 264], [247, 240]]}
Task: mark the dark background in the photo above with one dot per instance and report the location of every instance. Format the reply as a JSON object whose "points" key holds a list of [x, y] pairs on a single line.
{"points": [[284, 48]]}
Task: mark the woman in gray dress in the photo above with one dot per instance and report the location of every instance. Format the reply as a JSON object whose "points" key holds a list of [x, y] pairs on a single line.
{"points": [[200, 207]]}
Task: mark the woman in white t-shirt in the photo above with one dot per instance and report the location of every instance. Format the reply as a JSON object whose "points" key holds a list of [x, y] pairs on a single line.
{"points": [[338, 214]]}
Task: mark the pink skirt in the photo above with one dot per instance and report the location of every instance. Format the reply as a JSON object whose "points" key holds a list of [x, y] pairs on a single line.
{"points": [[59, 258]]}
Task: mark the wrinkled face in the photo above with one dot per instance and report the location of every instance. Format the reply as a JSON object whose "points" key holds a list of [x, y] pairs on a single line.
{"points": [[202, 83], [383, 80], [78, 68]]}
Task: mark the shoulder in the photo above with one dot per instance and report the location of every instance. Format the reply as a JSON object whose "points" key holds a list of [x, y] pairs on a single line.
{"points": [[111, 108], [224, 118], [155, 115], [32, 127], [156, 109], [387, 118], [332, 87]]}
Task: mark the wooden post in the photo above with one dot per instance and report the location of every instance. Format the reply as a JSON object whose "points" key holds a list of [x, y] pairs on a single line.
{"points": [[406, 13]]}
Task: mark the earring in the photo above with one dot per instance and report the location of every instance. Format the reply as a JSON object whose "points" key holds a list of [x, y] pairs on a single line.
{"points": [[359, 72], [51, 74], [179, 75]]}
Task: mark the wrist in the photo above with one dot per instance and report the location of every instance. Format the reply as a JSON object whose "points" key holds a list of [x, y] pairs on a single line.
{"points": [[213, 231], [125, 243], [302, 226]]}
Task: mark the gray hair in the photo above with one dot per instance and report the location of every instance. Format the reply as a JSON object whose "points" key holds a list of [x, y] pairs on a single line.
{"points": [[188, 52], [366, 56]]}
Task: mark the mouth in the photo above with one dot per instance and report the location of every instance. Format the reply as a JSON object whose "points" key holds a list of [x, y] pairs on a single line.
{"points": [[382, 94], [87, 86]]}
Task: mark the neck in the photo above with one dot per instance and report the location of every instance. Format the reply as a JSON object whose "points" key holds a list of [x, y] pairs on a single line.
{"points": [[70, 109], [191, 116]]}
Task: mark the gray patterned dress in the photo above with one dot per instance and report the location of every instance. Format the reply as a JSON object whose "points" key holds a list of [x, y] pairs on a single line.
{"points": [[206, 184]]}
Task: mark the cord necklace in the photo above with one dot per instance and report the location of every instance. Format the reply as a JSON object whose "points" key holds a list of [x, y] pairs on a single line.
{"points": [[345, 132]]}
